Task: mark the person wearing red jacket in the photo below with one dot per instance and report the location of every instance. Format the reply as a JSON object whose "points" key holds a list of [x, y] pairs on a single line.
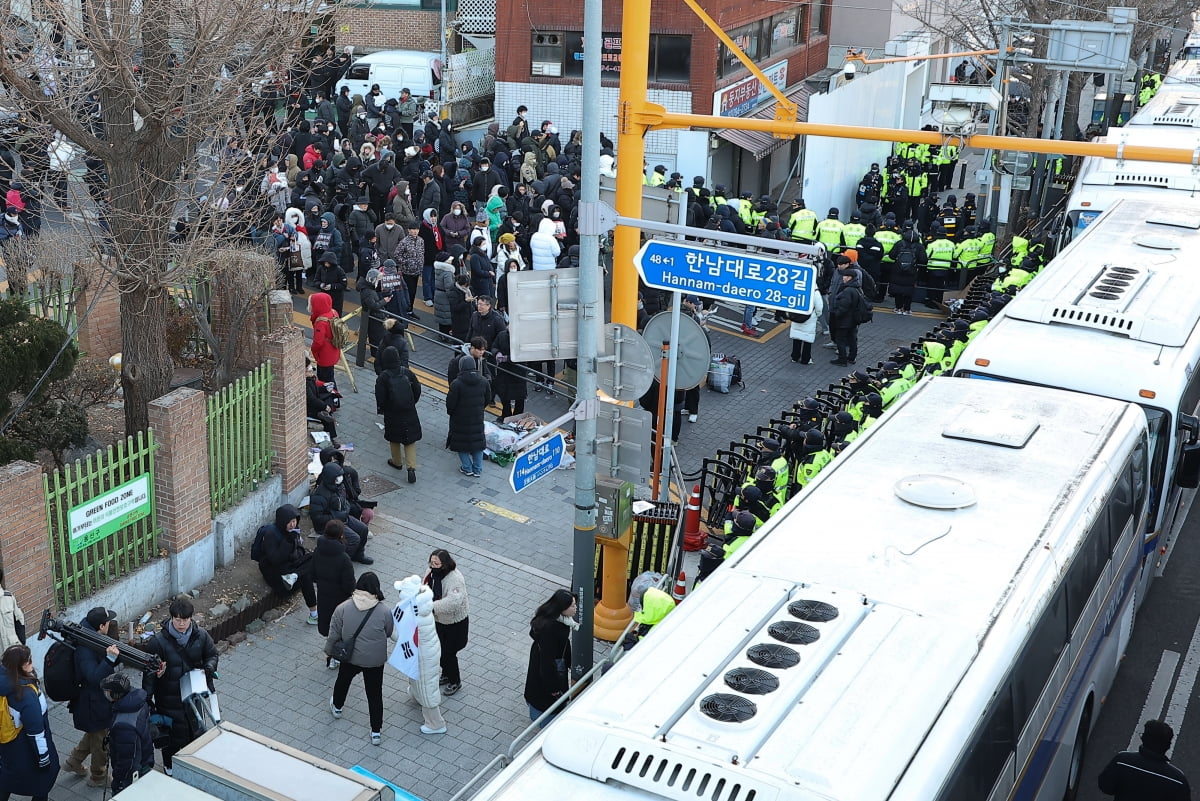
{"points": [[325, 353]]}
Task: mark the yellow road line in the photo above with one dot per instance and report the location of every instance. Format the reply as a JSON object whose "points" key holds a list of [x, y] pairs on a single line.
{"points": [[498, 510]]}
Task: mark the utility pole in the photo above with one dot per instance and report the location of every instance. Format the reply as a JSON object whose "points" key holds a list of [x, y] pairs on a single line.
{"points": [[590, 307]]}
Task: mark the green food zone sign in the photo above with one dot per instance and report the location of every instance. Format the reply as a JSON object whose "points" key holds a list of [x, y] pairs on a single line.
{"points": [[107, 514]]}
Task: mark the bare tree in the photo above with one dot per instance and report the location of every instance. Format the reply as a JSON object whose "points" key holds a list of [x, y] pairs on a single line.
{"points": [[149, 86]]}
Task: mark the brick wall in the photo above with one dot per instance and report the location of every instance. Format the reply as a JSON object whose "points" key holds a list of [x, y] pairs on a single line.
{"points": [[100, 331], [25, 540], [181, 488], [370, 29], [285, 349]]}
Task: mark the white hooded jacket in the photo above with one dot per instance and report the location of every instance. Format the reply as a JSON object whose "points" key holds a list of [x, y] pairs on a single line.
{"points": [[544, 246], [425, 690]]}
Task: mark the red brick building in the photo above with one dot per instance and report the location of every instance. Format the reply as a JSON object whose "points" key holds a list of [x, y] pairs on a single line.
{"points": [[540, 64]]}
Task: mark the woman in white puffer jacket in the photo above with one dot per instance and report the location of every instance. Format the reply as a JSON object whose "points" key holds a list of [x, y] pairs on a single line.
{"points": [[544, 246], [424, 688]]}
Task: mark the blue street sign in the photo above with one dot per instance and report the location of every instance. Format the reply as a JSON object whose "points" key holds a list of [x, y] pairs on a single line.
{"points": [[773, 281], [537, 462]]}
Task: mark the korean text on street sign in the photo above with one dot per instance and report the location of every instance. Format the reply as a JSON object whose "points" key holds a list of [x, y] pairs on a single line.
{"points": [[97, 518], [738, 275], [537, 462]]}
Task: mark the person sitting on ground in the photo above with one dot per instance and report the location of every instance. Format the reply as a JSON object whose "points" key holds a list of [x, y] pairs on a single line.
{"points": [[320, 401], [329, 501], [285, 564], [363, 510]]}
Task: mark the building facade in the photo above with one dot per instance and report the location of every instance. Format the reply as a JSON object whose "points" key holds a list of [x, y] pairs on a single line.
{"points": [[540, 65]]}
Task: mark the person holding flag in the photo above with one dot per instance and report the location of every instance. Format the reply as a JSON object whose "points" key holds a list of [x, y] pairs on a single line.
{"points": [[418, 650]]}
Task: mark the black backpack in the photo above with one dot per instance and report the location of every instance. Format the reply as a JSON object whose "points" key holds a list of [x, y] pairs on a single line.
{"points": [[906, 261], [59, 678], [256, 548], [862, 309]]}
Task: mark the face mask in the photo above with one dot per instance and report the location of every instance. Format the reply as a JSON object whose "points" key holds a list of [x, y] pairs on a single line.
{"points": [[407, 193], [338, 480], [458, 212], [389, 226], [362, 116], [483, 168], [10, 217], [557, 215]]}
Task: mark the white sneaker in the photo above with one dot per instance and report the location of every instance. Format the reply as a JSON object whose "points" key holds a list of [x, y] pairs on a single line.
{"points": [[692, 418], [376, 739], [333, 710], [429, 303], [426, 730]]}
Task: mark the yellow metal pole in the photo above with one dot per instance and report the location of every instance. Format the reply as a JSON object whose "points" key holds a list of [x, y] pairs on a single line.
{"points": [[631, 151], [737, 51], [859, 57], [656, 116]]}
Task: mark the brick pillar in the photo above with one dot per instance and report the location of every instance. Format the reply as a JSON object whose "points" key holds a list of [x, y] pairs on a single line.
{"points": [[25, 540], [100, 331], [275, 314], [285, 350], [181, 491]]}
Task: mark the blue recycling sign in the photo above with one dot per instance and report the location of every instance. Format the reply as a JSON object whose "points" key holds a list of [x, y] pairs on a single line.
{"points": [[537, 462], [772, 281]]}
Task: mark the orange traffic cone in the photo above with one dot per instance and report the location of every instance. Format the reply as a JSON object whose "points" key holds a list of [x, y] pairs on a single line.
{"points": [[693, 540], [680, 587]]}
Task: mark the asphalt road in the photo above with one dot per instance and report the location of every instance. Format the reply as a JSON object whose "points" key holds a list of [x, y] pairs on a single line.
{"points": [[1157, 677]]}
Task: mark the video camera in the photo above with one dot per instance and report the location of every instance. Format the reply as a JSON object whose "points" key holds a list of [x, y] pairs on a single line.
{"points": [[75, 635]]}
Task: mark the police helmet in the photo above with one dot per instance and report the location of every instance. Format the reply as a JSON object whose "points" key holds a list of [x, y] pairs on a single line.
{"points": [[765, 474], [833, 213], [810, 405], [115, 685], [747, 195], [860, 377], [798, 203], [979, 315], [719, 189], [890, 368], [874, 403], [744, 521], [751, 494], [698, 180], [814, 440], [843, 418], [660, 168], [854, 217], [770, 446]]}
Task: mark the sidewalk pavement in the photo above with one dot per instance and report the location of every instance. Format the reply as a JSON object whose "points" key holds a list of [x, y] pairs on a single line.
{"points": [[514, 550]]}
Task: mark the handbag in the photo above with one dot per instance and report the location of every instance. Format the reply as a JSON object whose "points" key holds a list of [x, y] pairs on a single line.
{"points": [[295, 260], [344, 649]]}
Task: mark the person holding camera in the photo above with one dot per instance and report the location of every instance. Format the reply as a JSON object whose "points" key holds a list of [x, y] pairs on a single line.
{"points": [[183, 647], [130, 746], [28, 762], [91, 712]]}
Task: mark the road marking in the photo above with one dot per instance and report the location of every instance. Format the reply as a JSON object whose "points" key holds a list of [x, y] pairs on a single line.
{"points": [[498, 510], [1183, 687], [1157, 695]]}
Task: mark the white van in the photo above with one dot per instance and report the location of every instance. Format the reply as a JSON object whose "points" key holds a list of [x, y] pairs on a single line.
{"points": [[394, 70]]}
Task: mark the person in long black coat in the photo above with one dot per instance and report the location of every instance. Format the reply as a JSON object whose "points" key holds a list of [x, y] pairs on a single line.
{"points": [[397, 391], [334, 576], [183, 646], [546, 678], [510, 382], [465, 403], [373, 309], [91, 712]]}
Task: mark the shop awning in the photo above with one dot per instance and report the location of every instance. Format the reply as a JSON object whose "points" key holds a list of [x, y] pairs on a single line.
{"points": [[761, 143]]}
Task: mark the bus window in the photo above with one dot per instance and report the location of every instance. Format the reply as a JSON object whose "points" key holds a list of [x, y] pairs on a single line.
{"points": [[1157, 421], [987, 763]]}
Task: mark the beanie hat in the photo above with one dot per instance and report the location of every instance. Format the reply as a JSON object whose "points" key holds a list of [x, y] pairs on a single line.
{"points": [[466, 364]]}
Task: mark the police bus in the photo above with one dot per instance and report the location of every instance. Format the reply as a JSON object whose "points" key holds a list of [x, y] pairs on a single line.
{"points": [[1116, 314], [1170, 119], [938, 617]]}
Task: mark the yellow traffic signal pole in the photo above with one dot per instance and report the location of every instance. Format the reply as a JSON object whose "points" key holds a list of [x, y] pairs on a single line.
{"points": [[636, 116]]}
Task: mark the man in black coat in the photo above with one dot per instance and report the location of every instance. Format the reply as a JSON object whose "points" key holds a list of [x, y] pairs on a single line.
{"points": [[91, 712], [329, 501], [1146, 774], [465, 403], [282, 553], [183, 647]]}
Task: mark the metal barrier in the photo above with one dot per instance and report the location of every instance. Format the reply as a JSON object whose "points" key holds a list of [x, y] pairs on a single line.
{"points": [[239, 438]]}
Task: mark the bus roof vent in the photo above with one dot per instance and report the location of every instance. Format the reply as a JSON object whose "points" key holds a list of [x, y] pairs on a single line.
{"points": [[1182, 111], [728, 708], [1140, 179]]}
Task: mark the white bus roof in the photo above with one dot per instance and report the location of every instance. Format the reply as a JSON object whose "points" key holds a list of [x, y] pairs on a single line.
{"points": [[1182, 77], [1097, 173], [1126, 291], [884, 603]]}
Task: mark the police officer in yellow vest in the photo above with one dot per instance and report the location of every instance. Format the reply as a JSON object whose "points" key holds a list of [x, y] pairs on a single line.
{"points": [[829, 232], [966, 253], [853, 231], [1020, 249], [746, 210], [888, 236], [939, 267], [802, 224], [945, 160], [718, 196], [659, 176]]}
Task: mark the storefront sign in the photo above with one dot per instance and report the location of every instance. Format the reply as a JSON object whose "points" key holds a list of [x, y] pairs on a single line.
{"points": [[739, 98], [610, 53]]}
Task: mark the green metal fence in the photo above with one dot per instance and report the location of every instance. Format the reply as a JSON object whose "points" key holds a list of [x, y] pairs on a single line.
{"points": [[53, 300], [102, 519], [239, 437]]}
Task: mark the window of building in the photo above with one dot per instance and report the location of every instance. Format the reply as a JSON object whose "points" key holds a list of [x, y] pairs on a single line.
{"points": [[820, 17], [670, 58], [750, 39], [783, 31]]}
